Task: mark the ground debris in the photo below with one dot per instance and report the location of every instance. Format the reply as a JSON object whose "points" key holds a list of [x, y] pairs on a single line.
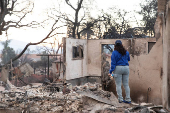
{"points": [[64, 98]]}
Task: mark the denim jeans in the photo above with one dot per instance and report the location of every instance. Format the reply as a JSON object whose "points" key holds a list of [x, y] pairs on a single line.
{"points": [[121, 75]]}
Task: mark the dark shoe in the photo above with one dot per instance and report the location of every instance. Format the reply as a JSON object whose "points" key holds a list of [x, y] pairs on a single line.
{"points": [[120, 101], [128, 102]]}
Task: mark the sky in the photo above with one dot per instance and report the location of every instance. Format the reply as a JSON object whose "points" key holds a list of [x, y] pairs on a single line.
{"points": [[128, 5], [41, 6]]}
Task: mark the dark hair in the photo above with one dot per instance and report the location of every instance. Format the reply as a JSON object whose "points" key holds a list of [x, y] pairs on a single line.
{"points": [[120, 49]]}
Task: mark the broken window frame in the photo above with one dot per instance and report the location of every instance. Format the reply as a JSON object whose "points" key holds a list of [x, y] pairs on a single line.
{"points": [[77, 52]]}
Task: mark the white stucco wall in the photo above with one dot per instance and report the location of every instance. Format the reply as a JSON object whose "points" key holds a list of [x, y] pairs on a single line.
{"points": [[75, 68]]}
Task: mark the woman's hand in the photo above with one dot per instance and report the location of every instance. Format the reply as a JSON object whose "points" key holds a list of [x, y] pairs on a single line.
{"points": [[109, 74]]}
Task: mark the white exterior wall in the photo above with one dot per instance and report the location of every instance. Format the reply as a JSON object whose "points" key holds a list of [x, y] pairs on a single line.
{"points": [[75, 68]]}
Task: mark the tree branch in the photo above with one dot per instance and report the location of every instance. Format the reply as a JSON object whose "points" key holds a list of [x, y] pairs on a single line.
{"points": [[82, 18], [48, 35], [79, 5], [12, 6], [6, 25], [70, 4]]}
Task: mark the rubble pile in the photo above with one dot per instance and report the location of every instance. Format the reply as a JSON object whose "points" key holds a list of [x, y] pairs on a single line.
{"points": [[59, 98], [39, 99]]}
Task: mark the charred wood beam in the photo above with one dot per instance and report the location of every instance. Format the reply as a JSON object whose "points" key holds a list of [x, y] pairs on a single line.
{"points": [[49, 55]]}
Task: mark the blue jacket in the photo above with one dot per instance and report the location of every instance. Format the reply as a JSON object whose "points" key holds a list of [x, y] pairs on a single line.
{"points": [[118, 59]]}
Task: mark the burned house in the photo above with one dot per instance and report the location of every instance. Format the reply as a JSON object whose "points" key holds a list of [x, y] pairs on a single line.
{"points": [[149, 65], [83, 62], [145, 65]]}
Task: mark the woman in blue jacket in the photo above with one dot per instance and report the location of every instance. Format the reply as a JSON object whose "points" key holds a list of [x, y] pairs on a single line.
{"points": [[120, 68]]}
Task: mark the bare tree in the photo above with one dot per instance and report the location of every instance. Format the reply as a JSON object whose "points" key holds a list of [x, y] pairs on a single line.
{"points": [[149, 13], [4, 10], [79, 24], [116, 23], [49, 35], [124, 24], [52, 48], [76, 23], [13, 13], [5, 74]]}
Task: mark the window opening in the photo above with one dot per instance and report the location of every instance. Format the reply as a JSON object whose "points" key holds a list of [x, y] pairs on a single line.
{"points": [[77, 52], [150, 45]]}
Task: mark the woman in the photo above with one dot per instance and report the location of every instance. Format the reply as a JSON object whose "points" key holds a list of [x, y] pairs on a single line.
{"points": [[120, 68]]}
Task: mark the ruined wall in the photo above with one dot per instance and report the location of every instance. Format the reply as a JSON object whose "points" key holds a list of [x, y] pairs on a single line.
{"points": [[94, 54], [94, 47], [145, 74], [75, 68], [166, 58], [163, 28], [145, 68], [139, 46]]}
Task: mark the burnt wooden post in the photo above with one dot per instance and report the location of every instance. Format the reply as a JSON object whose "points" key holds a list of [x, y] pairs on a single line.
{"points": [[45, 69], [48, 66], [64, 59], [48, 61]]}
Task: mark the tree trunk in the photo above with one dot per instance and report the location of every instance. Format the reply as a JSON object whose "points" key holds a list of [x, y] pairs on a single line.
{"points": [[76, 19], [3, 9]]}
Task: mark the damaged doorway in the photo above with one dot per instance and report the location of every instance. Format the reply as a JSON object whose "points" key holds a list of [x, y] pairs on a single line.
{"points": [[108, 49], [106, 53]]}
